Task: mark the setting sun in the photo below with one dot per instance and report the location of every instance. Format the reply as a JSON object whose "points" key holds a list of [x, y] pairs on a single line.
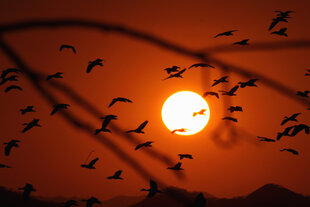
{"points": [[185, 112]]}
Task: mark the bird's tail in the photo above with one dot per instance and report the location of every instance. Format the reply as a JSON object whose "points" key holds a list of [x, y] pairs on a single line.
{"points": [[110, 177]]}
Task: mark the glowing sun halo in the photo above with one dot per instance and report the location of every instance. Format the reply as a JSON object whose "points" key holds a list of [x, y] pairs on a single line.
{"points": [[177, 112]]}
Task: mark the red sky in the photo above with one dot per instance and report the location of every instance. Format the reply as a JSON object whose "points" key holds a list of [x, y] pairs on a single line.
{"points": [[50, 157]]}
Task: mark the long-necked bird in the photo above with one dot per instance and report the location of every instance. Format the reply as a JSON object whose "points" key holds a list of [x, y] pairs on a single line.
{"points": [[12, 87], [120, 99], [242, 42], [281, 32], [202, 65], [235, 108], [179, 130], [290, 118], [303, 94], [28, 188], [91, 164], [188, 156], [153, 190], [27, 110], [67, 47], [33, 123], [290, 150], [10, 78], [230, 119], [4, 166], [59, 107], [299, 128], [106, 120], [231, 92], [91, 201], [265, 139], [211, 93], [10, 145], [92, 64], [285, 132], [201, 112], [221, 80], [7, 71], [69, 203], [145, 144], [176, 75], [139, 129], [55, 75], [227, 33], [172, 69], [117, 175], [250, 82], [176, 167]]}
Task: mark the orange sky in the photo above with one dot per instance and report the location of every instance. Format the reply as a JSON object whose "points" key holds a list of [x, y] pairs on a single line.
{"points": [[50, 157]]}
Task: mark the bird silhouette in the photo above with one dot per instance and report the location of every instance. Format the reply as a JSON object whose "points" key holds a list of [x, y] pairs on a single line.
{"points": [[179, 130], [285, 132], [250, 82], [69, 203], [227, 33], [188, 156], [139, 129], [7, 71], [221, 80], [276, 20], [230, 118], [28, 188], [285, 14], [120, 99], [307, 73], [231, 92], [55, 75], [10, 78], [106, 121], [172, 69], [30, 125], [265, 139], [10, 145], [27, 109], [242, 42], [59, 107], [153, 190], [211, 93], [200, 201], [67, 47], [4, 166], [176, 75], [91, 164], [203, 65], [281, 32], [291, 118], [201, 112], [235, 108], [299, 128], [176, 167], [290, 150], [145, 144], [92, 64], [116, 175], [12, 87], [91, 201], [303, 94]]}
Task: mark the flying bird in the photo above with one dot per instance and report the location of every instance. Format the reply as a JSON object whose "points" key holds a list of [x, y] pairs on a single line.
{"points": [[91, 164], [106, 121], [172, 69], [10, 145], [281, 32], [27, 109], [116, 175], [201, 112], [299, 128], [227, 33], [242, 42], [291, 118], [30, 125], [285, 132], [91, 201], [145, 144], [234, 108], [276, 20], [303, 94], [152, 190], [92, 64], [120, 99], [204, 65], [221, 80], [176, 167], [4, 166], [211, 93], [176, 75], [307, 73], [10, 78], [67, 47], [290, 150], [230, 118], [285, 14], [188, 156], [7, 71], [56, 75], [250, 82], [70, 203], [179, 130], [265, 139], [231, 92], [12, 87], [59, 107], [28, 188], [139, 129]]}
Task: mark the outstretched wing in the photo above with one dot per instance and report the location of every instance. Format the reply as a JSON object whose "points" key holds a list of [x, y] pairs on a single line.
{"points": [[124, 99], [113, 102], [153, 185], [178, 165], [118, 173], [234, 89], [7, 150], [139, 146], [89, 67], [141, 127], [93, 161], [273, 23], [12, 87]]}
